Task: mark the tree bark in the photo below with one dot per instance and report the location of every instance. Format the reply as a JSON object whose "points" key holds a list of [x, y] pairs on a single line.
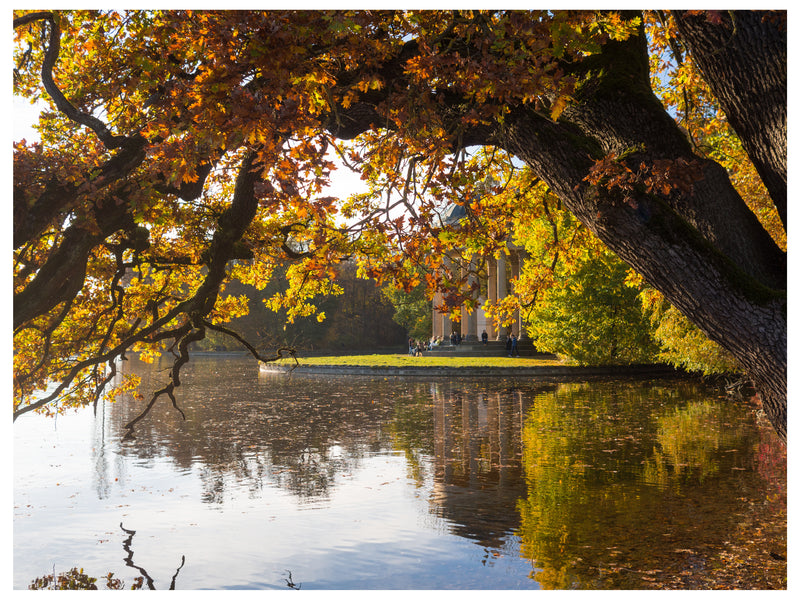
{"points": [[742, 55]]}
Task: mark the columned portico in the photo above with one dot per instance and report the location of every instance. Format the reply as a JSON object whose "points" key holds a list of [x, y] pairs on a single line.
{"points": [[496, 280]]}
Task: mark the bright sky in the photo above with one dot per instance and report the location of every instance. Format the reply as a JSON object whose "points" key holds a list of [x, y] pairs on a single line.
{"points": [[25, 115]]}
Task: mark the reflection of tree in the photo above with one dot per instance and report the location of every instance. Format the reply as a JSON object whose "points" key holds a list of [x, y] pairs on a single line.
{"points": [[76, 579], [411, 429], [689, 441], [126, 545], [615, 495], [244, 428]]}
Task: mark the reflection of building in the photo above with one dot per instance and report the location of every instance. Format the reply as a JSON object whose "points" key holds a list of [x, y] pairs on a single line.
{"points": [[477, 458]]}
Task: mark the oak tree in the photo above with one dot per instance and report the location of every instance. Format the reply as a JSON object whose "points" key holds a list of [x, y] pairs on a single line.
{"points": [[180, 146]]}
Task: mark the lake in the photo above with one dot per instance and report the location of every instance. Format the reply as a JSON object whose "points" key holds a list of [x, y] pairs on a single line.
{"points": [[306, 482]]}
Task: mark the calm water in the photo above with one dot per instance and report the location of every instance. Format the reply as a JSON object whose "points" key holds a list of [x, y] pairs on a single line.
{"points": [[360, 483]]}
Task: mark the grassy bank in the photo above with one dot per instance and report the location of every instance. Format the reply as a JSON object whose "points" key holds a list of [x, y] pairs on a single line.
{"points": [[404, 360]]}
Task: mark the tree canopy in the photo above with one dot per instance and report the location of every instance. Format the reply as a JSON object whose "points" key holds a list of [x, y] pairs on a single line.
{"points": [[182, 150]]}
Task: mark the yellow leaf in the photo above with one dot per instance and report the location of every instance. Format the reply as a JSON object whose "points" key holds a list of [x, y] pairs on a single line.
{"points": [[558, 107]]}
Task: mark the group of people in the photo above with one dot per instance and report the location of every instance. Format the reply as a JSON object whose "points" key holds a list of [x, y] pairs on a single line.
{"points": [[417, 347]]}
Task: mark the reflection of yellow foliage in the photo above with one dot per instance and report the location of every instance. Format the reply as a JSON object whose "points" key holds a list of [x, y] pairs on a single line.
{"points": [[598, 462], [555, 578], [689, 439]]}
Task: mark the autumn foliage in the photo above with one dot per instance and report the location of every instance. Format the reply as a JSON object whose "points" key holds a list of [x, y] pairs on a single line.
{"points": [[182, 150]]}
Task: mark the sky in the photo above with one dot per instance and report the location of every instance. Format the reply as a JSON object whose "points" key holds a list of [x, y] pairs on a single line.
{"points": [[25, 115]]}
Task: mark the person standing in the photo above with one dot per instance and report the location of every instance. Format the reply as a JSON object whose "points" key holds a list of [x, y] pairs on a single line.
{"points": [[514, 348]]}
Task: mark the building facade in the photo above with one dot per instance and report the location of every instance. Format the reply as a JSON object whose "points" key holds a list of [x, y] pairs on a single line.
{"points": [[493, 285]]}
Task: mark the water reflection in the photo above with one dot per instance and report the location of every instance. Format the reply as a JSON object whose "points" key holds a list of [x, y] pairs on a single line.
{"points": [[477, 457], [601, 485], [304, 434], [249, 429], [623, 484], [145, 577]]}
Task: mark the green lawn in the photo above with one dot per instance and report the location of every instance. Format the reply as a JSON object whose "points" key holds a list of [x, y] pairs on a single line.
{"points": [[404, 360]]}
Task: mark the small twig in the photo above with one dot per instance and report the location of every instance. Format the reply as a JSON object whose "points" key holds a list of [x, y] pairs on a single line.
{"points": [[192, 335], [229, 332], [290, 583], [65, 106], [126, 545]]}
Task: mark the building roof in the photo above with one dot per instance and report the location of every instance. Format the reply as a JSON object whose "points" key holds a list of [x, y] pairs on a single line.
{"points": [[453, 214]]}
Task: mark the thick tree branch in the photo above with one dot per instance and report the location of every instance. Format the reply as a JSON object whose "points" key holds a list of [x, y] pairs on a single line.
{"points": [[65, 106], [62, 275], [743, 57], [224, 246]]}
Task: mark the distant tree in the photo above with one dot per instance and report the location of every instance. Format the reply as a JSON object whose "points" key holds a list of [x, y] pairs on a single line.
{"points": [[592, 317], [572, 291], [361, 317], [356, 317], [412, 310], [681, 343]]}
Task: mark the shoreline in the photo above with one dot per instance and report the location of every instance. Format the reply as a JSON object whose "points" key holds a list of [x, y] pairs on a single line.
{"points": [[563, 371]]}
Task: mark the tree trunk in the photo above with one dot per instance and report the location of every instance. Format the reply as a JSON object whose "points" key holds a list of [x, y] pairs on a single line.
{"points": [[742, 55]]}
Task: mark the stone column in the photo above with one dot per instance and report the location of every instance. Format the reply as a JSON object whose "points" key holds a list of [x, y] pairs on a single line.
{"points": [[491, 287], [441, 321], [437, 316], [446, 326], [469, 321], [472, 326], [515, 267], [502, 292]]}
